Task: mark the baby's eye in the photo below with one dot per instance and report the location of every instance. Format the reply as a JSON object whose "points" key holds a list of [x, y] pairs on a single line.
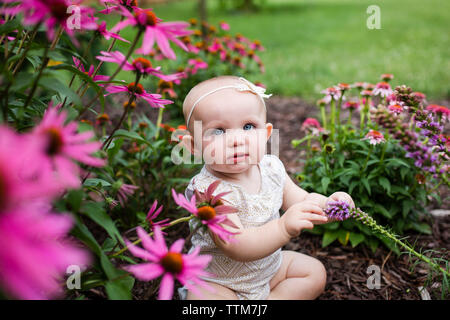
{"points": [[248, 126], [218, 131]]}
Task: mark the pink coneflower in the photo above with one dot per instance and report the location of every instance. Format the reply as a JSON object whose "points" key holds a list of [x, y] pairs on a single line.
{"points": [[53, 13], [125, 190], [170, 263], [36, 254], [162, 32], [332, 93], [80, 67], [374, 137], [166, 87], [152, 98], [208, 215], [224, 26], [153, 214], [419, 95], [383, 89], [352, 105], [22, 177], [344, 86], [395, 109], [387, 77], [197, 64], [359, 85], [366, 93], [101, 28], [441, 111], [311, 125], [63, 145], [138, 65]]}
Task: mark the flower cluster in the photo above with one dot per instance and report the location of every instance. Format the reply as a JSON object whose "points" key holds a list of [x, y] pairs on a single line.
{"points": [[36, 168], [337, 210]]}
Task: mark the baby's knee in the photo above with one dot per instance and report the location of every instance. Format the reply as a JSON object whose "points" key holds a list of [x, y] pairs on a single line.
{"points": [[318, 275]]}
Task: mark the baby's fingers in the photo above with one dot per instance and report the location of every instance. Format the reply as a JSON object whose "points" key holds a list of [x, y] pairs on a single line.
{"points": [[313, 217]]}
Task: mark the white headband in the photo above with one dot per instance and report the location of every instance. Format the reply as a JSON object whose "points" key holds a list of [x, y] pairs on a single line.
{"points": [[246, 86]]}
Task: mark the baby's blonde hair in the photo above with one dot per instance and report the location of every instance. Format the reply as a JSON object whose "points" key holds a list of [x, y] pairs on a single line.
{"points": [[201, 88]]}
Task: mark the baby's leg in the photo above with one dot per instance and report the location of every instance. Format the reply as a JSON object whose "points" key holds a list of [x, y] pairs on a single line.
{"points": [[221, 293], [300, 277]]}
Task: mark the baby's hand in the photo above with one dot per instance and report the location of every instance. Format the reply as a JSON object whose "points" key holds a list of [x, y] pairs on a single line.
{"points": [[302, 215], [341, 196]]}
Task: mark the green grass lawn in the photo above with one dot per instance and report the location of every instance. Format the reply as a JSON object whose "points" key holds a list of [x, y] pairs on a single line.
{"points": [[312, 44]]}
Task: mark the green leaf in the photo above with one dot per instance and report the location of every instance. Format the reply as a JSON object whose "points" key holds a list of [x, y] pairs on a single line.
{"points": [[97, 213], [356, 238], [54, 85], [325, 182], [365, 182], [343, 237], [395, 161], [74, 198], [9, 26], [407, 205], [381, 209], [329, 237], [83, 233], [384, 182], [120, 289], [421, 227], [83, 76], [95, 182]]}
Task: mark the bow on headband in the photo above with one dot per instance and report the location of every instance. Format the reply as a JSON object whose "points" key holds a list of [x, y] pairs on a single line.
{"points": [[251, 87], [246, 86]]}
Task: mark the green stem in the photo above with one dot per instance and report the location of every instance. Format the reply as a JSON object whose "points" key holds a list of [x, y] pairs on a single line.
{"points": [[119, 68], [174, 222], [368, 220], [324, 117], [158, 122], [367, 159], [333, 119]]}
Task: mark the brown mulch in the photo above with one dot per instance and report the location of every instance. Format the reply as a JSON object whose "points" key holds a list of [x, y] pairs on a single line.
{"points": [[346, 266]]}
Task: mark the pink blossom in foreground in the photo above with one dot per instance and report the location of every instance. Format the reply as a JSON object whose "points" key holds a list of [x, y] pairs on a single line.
{"points": [[138, 65], [208, 215], [152, 98], [374, 137], [155, 30], [62, 145], [36, 254], [169, 263], [22, 178]]}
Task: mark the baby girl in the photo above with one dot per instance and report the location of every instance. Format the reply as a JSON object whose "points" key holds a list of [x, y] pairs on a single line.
{"points": [[229, 115]]}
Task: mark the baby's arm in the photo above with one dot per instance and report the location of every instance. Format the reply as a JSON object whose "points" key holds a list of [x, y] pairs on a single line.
{"points": [[259, 242]]}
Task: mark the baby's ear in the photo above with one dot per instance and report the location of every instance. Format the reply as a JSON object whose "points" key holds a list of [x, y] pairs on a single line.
{"points": [[269, 128]]}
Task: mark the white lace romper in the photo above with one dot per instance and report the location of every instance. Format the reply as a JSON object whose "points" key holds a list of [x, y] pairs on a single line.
{"points": [[250, 280]]}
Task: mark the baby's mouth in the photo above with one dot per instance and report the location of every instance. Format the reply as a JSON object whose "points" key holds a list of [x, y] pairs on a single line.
{"points": [[239, 156]]}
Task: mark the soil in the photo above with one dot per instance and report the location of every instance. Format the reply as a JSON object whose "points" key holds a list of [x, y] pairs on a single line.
{"points": [[347, 267]]}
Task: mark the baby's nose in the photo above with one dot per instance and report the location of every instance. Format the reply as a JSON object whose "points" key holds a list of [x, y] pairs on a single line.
{"points": [[235, 138]]}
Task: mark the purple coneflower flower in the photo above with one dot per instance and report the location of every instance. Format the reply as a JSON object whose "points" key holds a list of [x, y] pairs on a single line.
{"points": [[80, 67], [62, 145], [153, 214], [155, 30], [152, 98], [374, 137], [139, 65], [170, 263], [383, 89], [124, 191]]}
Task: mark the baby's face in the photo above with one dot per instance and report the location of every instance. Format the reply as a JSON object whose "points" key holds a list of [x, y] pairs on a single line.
{"points": [[234, 130]]}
